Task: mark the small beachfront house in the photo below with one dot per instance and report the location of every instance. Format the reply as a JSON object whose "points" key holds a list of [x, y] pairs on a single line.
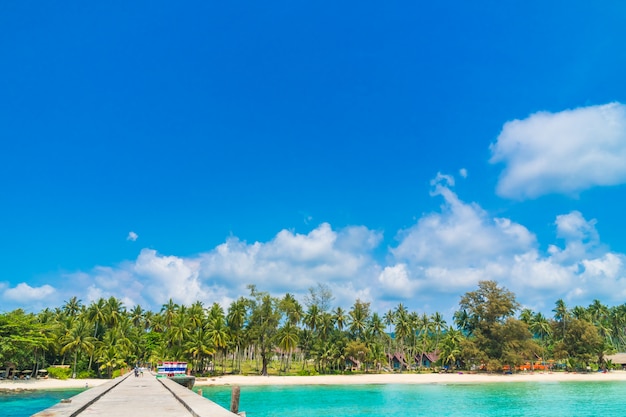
{"points": [[352, 364], [426, 359], [617, 359], [398, 361]]}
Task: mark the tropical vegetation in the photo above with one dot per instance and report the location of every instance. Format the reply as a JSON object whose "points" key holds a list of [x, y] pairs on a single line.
{"points": [[264, 334]]}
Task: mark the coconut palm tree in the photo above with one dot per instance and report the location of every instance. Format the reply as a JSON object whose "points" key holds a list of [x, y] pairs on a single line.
{"points": [[561, 315], [235, 322], [438, 324], [358, 317], [218, 334], [199, 346], [340, 318], [78, 340], [287, 341]]}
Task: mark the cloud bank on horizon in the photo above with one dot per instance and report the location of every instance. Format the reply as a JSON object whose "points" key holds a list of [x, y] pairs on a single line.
{"points": [[441, 256]]}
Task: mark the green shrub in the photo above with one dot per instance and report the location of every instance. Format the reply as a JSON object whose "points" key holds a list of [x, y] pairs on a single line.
{"points": [[59, 373], [87, 374], [116, 373], [307, 372]]}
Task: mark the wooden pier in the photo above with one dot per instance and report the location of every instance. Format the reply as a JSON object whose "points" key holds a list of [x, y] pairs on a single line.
{"points": [[131, 396]]}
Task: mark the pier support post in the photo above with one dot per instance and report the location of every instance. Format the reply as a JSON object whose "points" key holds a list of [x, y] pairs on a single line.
{"points": [[234, 399]]}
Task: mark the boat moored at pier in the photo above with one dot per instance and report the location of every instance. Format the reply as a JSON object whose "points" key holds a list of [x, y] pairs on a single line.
{"points": [[176, 371]]}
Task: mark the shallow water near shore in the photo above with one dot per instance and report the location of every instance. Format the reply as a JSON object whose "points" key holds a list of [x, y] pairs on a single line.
{"points": [[486, 399], [27, 403], [492, 399]]}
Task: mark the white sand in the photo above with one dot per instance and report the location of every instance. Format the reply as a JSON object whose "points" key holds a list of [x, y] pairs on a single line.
{"points": [[50, 383], [456, 378], [363, 379]]}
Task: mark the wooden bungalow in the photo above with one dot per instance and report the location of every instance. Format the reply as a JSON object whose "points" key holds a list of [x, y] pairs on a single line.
{"points": [[617, 359], [352, 364], [397, 361], [426, 359]]}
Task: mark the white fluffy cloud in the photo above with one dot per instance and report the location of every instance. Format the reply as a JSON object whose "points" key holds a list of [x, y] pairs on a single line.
{"points": [[461, 235], [24, 293], [132, 236], [444, 254], [449, 251], [565, 152], [290, 262]]}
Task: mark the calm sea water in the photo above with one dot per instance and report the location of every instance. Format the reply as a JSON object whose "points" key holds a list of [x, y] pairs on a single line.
{"points": [[23, 404], [607, 399]]}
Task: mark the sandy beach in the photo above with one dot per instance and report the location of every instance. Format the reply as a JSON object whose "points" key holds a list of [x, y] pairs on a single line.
{"points": [[360, 379], [451, 378], [50, 383]]}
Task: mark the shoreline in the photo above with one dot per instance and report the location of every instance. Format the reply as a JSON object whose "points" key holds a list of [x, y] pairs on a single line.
{"points": [[432, 378], [359, 379], [49, 384]]}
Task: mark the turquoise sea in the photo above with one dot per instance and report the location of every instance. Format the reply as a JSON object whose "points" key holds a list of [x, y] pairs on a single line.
{"points": [[26, 403], [607, 399]]}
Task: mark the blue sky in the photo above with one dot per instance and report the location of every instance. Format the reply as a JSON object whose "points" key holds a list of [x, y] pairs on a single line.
{"points": [[397, 152]]}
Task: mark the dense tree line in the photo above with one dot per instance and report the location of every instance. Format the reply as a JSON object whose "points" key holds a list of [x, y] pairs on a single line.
{"points": [[264, 334]]}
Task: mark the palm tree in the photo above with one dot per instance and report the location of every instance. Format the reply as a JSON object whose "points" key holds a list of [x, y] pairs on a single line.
{"points": [[526, 315], [438, 324], [114, 310], [402, 327], [288, 340], [450, 347], [196, 314], [292, 309], [358, 317], [169, 310], [72, 307], [462, 321], [218, 334], [77, 340], [339, 316], [561, 314], [312, 317], [540, 326], [425, 326], [199, 346], [235, 322], [136, 315]]}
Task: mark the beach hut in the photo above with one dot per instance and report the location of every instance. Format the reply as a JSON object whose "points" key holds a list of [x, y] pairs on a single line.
{"points": [[427, 359], [352, 364], [617, 359], [398, 361]]}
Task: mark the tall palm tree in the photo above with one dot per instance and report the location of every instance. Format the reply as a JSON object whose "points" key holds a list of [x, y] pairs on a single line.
{"points": [[451, 347], [425, 326], [358, 317], [438, 324], [114, 310], [561, 315], [169, 310], [196, 314], [72, 307], [218, 335], [340, 318], [287, 341], [199, 346], [235, 322], [312, 317], [137, 315], [77, 340]]}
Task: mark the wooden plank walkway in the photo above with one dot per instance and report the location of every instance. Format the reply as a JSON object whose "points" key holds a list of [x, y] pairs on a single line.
{"points": [[131, 396]]}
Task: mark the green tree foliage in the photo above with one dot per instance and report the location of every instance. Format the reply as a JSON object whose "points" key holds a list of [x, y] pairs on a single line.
{"points": [[498, 337], [264, 334]]}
